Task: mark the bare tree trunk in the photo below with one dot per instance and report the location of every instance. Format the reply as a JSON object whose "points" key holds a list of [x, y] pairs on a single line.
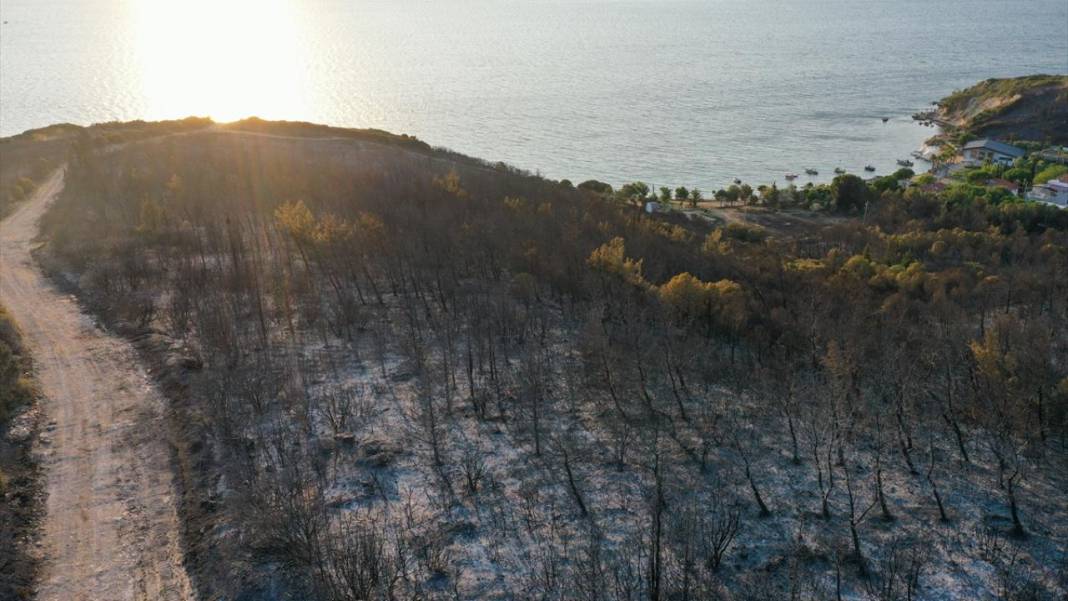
{"points": [[934, 487], [1017, 525], [903, 440], [675, 390], [764, 511], [855, 518], [658, 513], [793, 438], [571, 483], [887, 516]]}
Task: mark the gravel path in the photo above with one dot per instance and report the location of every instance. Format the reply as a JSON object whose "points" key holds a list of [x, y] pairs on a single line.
{"points": [[111, 529]]}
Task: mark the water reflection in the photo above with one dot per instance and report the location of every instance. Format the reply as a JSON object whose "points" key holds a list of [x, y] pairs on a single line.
{"points": [[226, 59]]}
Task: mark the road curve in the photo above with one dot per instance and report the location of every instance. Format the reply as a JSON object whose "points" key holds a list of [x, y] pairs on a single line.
{"points": [[111, 529]]}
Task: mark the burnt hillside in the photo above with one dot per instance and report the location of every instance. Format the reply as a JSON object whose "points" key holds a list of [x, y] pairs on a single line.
{"points": [[397, 373]]}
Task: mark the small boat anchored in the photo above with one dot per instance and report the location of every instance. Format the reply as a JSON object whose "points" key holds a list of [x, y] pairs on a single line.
{"points": [[737, 182], [869, 168], [791, 176], [812, 172], [905, 163], [886, 119], [839, 171]]}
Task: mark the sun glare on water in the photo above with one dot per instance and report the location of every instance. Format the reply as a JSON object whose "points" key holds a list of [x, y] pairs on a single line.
{"points": [[226, 59]]}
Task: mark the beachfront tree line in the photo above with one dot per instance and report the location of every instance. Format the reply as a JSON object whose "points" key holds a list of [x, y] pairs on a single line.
{"points": [[850, 194], [602, 403]]}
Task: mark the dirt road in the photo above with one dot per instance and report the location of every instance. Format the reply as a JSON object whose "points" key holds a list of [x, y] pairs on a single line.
{"points": [[111, 530]]}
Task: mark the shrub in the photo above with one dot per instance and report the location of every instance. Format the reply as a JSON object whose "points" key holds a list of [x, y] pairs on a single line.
{"points": [[1051, 172], [14, 389]]}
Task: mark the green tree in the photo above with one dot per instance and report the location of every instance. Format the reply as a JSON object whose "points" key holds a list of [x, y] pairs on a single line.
{"points": [[884, 184], [1051, 172], [596, 187], [745, 193], [665, 194], [682, 194], [695, 197], [635, 193], [722, 196], [849, 193], [772, 197], [980, 175], [1020, 175]]}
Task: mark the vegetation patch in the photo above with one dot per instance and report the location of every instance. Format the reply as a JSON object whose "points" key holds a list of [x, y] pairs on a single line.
{"points": [[19, 486]]}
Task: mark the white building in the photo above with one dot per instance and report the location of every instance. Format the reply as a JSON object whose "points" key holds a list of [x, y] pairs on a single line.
{"points": [[978, 152], [1055, 154], [1054, 192]]}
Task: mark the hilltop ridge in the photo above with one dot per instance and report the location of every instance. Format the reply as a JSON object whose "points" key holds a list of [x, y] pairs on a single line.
{"points": [[1031, 108]]}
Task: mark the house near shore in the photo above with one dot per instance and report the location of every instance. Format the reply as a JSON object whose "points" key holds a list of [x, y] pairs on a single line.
{"points": [[1055, 154], [1053, 192], [978, 152]]}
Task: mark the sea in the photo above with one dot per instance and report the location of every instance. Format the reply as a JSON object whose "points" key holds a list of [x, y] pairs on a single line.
{"points": [[670, 92]]}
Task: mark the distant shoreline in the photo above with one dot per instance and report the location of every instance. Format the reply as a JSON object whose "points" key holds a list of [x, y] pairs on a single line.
{"points": [[978, 109]]}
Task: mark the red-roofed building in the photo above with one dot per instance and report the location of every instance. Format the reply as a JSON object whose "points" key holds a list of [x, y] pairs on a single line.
{"points": [[1004, 184]]}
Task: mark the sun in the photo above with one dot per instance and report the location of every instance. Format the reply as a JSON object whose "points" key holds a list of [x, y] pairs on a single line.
{"points": [[226, 59]]}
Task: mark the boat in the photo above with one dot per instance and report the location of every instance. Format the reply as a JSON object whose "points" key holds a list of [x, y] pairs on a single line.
{"points": [[916, 154], [812, 172], [869, 168], [791, 176], [885, 119], [905, 163], [737, 182], [839, 171]]}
